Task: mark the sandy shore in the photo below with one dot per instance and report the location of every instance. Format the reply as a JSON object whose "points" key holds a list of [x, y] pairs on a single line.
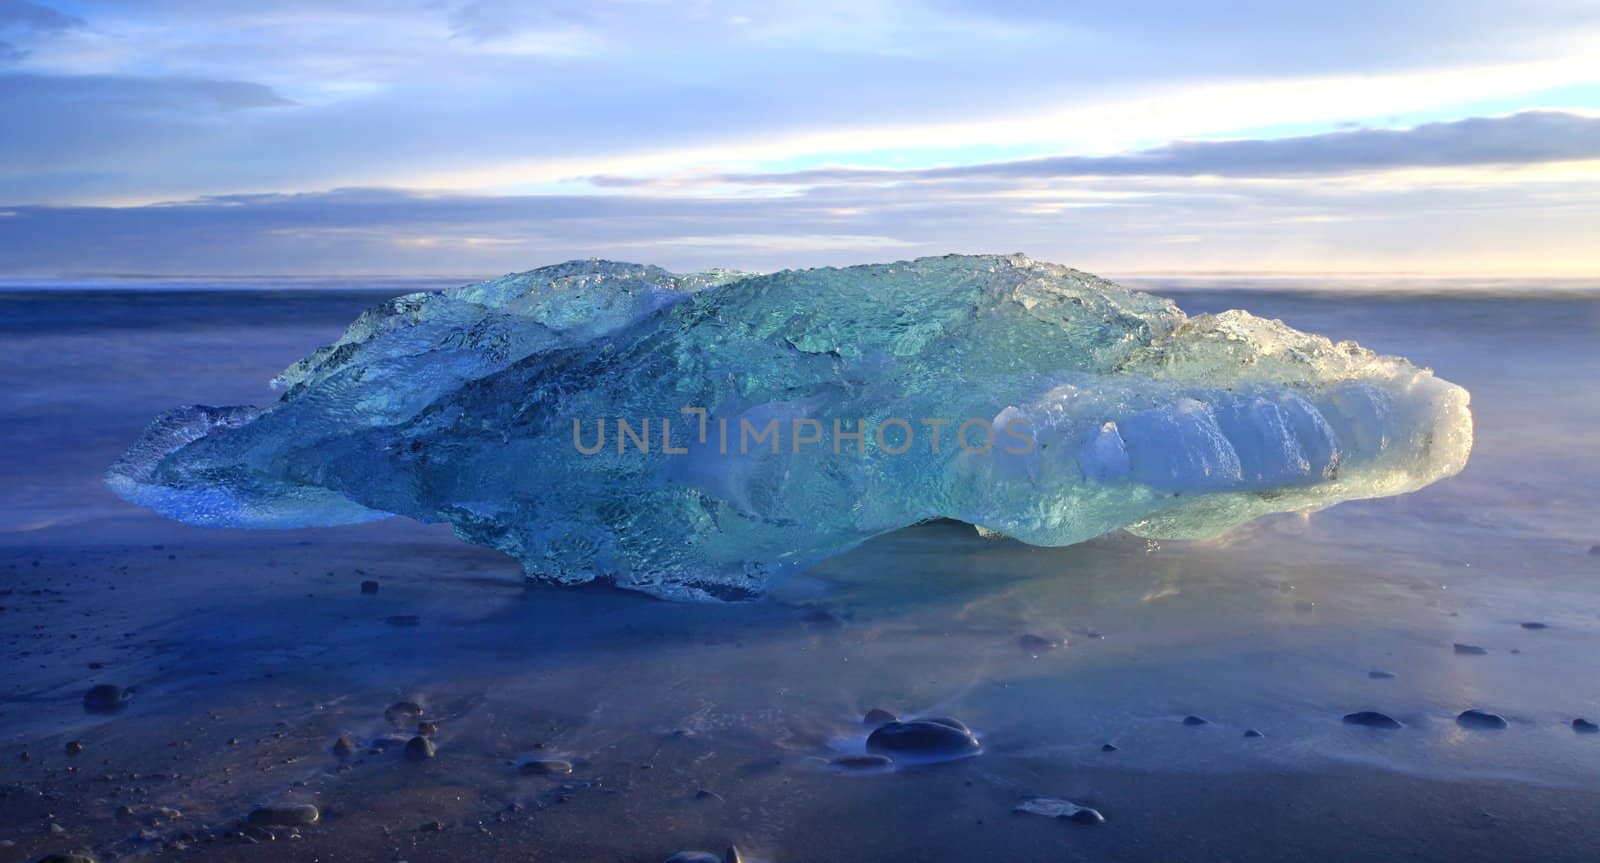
{"points": [[692, 726]]}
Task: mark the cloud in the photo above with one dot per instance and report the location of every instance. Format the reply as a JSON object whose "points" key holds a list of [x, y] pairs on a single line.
{"points": [[24, 14], [1530, 137], [10, 53], [39, 93], [1490, 223]]}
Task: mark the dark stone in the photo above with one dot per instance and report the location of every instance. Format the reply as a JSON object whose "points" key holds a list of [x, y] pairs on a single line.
{"points": [[74, 747], [1108, 747], [431, 827], [924, 738], [878, 716], [1195, 721], [707, 794], [1380, 675], [1594, 549], [1033, 642], [427, 728], [293, 815], [1371, 719], [420, 748], [1584, 726], [545, 767], [369, 587], [1251, 732], [1534, 624], [823, 618], [863, 762], [344, 747], [1480, 719], [402, 712], [64, 858], [1469, 650], [104, 698]]}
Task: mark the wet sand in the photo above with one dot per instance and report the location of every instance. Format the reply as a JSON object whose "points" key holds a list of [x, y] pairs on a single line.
{"points": [[250, 654]]}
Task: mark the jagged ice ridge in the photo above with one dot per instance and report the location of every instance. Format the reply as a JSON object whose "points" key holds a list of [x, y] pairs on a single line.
{"points": [[1109, 409]]}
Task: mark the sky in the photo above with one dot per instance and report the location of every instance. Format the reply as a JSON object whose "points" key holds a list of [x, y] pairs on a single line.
{"points": [[476, 137]]}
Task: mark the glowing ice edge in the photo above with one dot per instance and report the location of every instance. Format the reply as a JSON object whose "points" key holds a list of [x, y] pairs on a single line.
{"points": [[458, 406]]}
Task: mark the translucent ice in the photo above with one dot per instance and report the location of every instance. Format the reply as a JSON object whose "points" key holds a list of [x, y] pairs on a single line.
{"points": [[695, 436]]}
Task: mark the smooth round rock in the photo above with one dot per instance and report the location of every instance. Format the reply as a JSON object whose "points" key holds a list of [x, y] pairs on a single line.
{"points": [[1252, 733], [545, 767], [1371, 719], [420, 748], [104, 698], [1108, 747], [924, 738], [1469, 650], [1534, 624], [74, 747], [292, 815], [1036, 643], [729, 856], [863, 762], [1480, 719], [369, 587], [344, 747], [1195, 721], [402, 711], [1584, 726], [878, 716], [1375, 674]]}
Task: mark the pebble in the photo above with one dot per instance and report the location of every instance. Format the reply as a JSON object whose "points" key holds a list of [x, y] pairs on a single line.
{"points": [[402, 711], [937, 738], [1534, 624], [344, 747], [1469, 650], [420, 748], [1066, 810], [74, 747], [1584, 726], [1251, 732], [1480, 719], [707, 794], [1192, 720], [1371, 719], [545, 767], [1594, 549], [878, 716], [292, 815], [863, 762], [1108, 747], [1375, 674], [369, 587], [1038, 642], [104, 698], [729, 856], [65, 858]]}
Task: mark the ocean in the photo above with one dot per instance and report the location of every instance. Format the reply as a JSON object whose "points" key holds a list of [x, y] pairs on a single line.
{"points": [[249, 653]]}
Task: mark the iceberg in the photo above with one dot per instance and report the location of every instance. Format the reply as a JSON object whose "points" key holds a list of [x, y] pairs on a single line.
{"points": [[698, 436]]}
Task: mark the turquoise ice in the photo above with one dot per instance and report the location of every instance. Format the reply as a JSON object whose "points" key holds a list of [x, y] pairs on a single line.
{"points": [[1066, 407]]}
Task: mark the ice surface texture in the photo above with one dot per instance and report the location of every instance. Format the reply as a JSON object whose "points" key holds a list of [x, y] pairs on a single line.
{"points": [[1110, 408]]}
